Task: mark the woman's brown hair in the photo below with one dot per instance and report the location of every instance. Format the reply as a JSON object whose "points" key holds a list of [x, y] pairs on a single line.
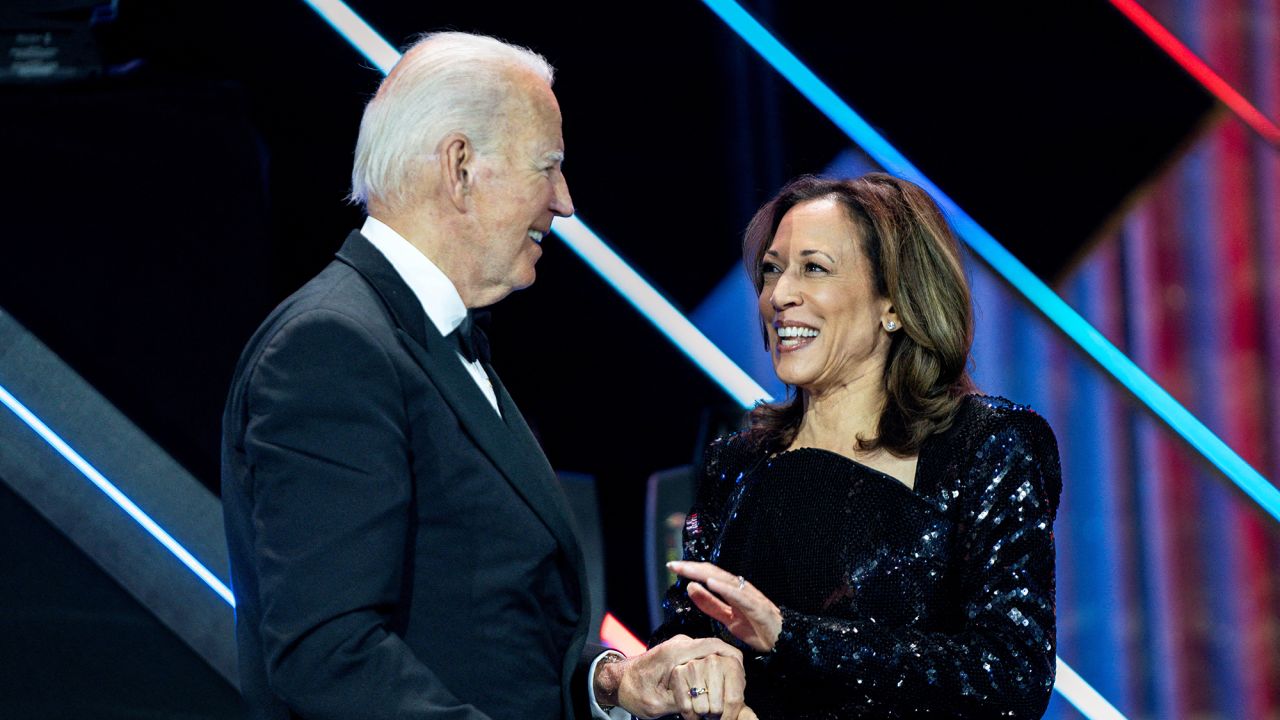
{"points": [[915, 263]]}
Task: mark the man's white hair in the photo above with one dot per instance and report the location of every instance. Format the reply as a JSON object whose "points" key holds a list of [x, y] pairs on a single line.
{"points": [[445, 82]]}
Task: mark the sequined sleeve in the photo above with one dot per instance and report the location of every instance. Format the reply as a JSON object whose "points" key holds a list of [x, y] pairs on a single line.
{"points": [[702, 525], [1001, 661]]}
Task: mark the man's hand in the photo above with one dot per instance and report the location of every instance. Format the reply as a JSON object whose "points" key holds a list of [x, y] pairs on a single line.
{"points": [[712, 685], [659, 682]]}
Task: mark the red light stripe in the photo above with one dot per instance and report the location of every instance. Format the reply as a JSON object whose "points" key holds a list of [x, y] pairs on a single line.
{"points": [[617, 636], [1199, 70]]}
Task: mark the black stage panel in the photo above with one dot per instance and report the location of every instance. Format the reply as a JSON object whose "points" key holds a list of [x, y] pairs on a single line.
{"points": [[76, 645]]}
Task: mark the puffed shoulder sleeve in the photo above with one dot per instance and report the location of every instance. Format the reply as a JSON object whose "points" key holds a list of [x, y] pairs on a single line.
{"points": [[1001, 661], [717, 474]]}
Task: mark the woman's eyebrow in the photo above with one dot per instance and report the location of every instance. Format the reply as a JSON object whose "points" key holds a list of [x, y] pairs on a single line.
{"points": [[807, 253]]}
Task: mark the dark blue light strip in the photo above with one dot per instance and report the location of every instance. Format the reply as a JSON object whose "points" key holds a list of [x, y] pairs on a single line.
{"points": [[1002, 261], [116, 496]]}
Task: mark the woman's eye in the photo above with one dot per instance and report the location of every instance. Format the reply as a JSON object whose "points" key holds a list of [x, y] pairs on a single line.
{"points": [[769, 269], [814, 267]]}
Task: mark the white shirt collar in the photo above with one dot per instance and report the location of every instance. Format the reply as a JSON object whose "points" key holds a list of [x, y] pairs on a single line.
{"points": [[439, 297]]}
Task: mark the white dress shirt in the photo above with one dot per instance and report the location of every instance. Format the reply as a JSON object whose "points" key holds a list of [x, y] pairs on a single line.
{"points": [[439, 297], [443, 305]]}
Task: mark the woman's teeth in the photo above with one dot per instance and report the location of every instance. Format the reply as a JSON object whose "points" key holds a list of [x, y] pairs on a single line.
{"points": [[792, 336]]}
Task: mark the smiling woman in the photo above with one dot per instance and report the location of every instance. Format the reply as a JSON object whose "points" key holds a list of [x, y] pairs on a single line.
{"points": [[881, 541], [877, 245]]}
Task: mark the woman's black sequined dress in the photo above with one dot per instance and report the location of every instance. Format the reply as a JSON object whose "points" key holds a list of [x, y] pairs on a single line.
{"points": [[897, 602]]}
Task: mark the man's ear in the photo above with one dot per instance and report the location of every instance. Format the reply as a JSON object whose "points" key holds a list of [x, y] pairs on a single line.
{"points": [[457, 167]]}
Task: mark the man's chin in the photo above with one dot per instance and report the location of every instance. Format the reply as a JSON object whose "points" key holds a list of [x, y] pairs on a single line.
{"points": [[527, 277], [520, 283]]}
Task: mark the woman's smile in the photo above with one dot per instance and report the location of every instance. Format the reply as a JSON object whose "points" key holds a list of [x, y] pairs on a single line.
{"points": [[793, 336]]}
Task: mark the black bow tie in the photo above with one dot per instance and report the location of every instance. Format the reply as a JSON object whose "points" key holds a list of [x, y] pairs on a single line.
{"points": [[472, 342]]}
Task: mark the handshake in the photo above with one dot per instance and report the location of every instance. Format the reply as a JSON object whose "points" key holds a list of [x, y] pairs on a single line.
{"points": [[691, 678]]}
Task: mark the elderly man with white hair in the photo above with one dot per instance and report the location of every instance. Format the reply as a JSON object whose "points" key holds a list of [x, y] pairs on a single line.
{"points": [[400, 547]]}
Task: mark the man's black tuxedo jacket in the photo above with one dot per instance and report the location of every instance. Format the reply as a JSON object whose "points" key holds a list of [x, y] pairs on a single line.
{"points": [[398, 550]]}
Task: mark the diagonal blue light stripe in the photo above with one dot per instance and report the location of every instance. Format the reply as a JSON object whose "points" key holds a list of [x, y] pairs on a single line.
{"points": [[116, 496], [1069, 683], [1002, 261], [588, 246], [1082, 695], [359, 33], [644, 298]]}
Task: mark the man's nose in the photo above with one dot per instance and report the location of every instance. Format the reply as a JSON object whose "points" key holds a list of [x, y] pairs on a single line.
{"points": [[561, 202]]}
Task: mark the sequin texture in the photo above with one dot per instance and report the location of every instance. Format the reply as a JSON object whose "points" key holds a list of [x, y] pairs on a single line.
{"points": [[897, 602]]}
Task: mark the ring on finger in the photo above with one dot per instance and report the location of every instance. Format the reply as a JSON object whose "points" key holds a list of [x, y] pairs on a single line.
{"points": [[742, 582], [697, 691]]}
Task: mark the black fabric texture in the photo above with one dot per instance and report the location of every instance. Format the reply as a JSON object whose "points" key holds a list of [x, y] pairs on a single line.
{"points": [[935, 600]]}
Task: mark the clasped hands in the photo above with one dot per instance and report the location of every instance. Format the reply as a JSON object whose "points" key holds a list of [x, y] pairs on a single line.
{"points": [[697, 678], [659, 681]]}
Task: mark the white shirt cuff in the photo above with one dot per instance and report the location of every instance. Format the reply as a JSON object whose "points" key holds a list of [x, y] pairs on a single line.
{"points": [[597, 712]]}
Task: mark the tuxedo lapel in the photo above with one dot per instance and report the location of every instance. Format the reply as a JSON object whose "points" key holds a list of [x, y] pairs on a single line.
{"points": [[523, 435], [506, 441], [520, 430]]}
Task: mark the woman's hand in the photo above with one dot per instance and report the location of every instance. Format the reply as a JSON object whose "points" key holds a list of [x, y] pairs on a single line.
{"points": [[734, 602]]}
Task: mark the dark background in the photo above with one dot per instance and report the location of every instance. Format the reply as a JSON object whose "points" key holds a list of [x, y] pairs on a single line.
{"points": [[155, 213]]}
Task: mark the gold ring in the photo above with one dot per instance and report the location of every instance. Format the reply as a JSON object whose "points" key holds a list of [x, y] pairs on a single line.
{"points": [[695, 692]]}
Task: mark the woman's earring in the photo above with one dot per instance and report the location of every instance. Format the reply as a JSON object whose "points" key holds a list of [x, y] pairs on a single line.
{"points": [[891, 325]]}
